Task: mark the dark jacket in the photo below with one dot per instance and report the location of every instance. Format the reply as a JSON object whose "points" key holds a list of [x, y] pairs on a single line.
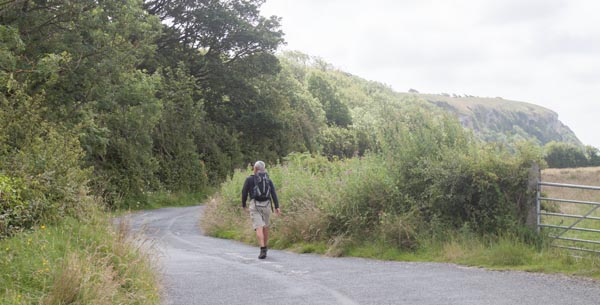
{"points": [[249, 185]]}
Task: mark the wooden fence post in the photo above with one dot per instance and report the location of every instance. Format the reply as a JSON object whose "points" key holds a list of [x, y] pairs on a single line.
{"points": [[532, 187]]}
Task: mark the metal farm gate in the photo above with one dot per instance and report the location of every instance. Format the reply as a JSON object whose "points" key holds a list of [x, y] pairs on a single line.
{"points": [[573, 224]]}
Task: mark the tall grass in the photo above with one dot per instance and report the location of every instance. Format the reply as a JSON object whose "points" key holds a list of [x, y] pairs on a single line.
{"points": [[308, 189], [76, 262]]}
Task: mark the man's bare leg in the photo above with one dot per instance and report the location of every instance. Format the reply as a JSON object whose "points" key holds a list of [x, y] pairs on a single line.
{"points": [[260, 235]]}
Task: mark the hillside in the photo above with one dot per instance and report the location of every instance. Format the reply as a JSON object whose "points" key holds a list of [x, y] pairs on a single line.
{"points": [[501, 120], [492, 119]]}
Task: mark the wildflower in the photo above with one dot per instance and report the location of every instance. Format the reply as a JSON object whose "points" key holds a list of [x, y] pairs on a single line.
{"points": [[43, 227]]}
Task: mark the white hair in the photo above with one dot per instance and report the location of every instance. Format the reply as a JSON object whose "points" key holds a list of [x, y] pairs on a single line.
{"points": [[260, 166]]}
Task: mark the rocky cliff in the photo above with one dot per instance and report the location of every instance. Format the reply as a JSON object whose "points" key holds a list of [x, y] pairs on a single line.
{"points": [[501, 120]]}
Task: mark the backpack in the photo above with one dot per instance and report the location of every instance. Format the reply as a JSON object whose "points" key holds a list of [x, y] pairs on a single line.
{"points": [[262, 187]]}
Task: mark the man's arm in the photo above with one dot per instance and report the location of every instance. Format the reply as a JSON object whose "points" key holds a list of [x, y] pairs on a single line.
{"points": [[245, 192], [274, 195]]}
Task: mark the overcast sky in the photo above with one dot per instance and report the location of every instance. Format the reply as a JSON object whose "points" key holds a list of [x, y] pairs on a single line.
{"points": [[545, 52]]}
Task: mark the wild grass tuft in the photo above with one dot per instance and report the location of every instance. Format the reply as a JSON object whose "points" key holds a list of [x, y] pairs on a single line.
{"points": [[77, 262]]}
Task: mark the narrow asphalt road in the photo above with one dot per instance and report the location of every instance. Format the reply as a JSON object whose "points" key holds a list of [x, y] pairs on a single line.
{"points": [[203, 270]]}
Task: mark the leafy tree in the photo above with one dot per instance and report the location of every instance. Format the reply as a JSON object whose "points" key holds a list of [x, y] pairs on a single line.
{"points": [[337, 113], [223, 43], [127, 165], [593, 155], [338, 142], [181, 167], [562, 155], [95, 48], [40, 161], [227, 47]]}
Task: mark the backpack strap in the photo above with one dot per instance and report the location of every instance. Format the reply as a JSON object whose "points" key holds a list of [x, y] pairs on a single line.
{"points": [[255, 189]]}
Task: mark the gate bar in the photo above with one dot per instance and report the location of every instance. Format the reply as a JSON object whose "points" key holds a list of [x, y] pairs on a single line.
{"points": [[576, 239], [573, 228], [569, 215], [575, 248], [570, 201], [587, 187], [579, 220]]}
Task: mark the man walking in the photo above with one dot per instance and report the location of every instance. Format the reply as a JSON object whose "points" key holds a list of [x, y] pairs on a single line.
{"points": [[261, 191]]}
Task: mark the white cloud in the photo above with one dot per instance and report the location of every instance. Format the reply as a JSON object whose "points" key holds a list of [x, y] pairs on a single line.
{"points": [[540, 51]]}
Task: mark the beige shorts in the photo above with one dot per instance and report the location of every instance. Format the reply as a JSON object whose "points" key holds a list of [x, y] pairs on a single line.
{"points": [[260, 214]]}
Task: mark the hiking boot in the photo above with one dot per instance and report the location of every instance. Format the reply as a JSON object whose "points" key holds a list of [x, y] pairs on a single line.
{"points": [[263, 253]]}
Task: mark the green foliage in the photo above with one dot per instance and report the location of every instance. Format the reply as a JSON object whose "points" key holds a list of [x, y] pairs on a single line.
{"points": [[441, 170], [161, 199], [226, 47], [52, 182], [15, 213], [563, 155], [593, 155], [338, 142], [52, 167], [336, 111], [366, 197], [181, 166], [128, 166], [42, 158]]}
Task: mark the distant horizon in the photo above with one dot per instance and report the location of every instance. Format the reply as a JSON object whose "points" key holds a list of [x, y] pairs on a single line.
{"points": [[542, 52]]}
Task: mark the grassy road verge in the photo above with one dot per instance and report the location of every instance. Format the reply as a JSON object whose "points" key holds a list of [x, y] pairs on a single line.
{"points": [[76, 262]]}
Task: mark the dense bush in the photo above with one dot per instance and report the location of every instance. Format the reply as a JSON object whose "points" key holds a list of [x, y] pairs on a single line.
{"points": [[450, 177], [47, 180], [15, 213], [338, 142], [563, 155]]}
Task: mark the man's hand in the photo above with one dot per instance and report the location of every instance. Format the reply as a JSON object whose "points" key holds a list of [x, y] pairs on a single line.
{"points": [[245, 209], [277, 211]]}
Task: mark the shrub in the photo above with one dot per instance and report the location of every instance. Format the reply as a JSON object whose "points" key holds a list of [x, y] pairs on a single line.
{"points": [[15, 213], [449, 176], [338, 142]]}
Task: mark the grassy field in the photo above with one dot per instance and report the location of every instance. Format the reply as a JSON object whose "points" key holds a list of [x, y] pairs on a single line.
{"points": [[76, 262]]}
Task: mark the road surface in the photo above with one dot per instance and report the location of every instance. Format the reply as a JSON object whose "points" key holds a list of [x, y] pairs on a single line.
{"points": [[202, 270]]}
